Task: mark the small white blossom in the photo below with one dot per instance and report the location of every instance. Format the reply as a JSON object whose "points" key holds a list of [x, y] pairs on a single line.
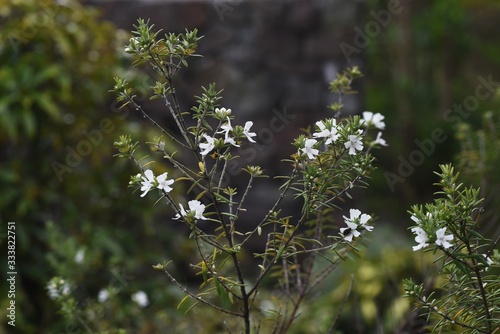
{"points": [[52, 290], [442, 239], [198, 209], [376, 120], [363, 220], [140, 298], [58, 288], [194, 206], [102, 296], [354, 143], [163, 183], [309, 149], [355, 220], [246, 132], [231, 141], [330, 134], [350, 231], [226, 128], [358, 217], [208, 146], [421, 238], [379, 140], [80, 256], [148, 181]]}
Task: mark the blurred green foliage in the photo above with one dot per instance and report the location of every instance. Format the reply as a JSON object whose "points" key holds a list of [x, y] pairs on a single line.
{"points": [[478, 160], [57, 127], [436, 51]]}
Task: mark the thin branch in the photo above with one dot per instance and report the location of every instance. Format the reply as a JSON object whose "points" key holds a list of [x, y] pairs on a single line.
{"points": [[337, 317], [198, 298], [447, 317]]}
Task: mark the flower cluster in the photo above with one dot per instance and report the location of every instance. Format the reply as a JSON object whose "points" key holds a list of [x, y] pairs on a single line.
{"points": [[58, 287], [422, 237], [352, 139], [231, 134], [149, 181], [355, 221]]}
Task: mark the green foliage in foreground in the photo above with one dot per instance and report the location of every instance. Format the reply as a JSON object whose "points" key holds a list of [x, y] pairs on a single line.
{"points": [[58, 178], [468, 300]]}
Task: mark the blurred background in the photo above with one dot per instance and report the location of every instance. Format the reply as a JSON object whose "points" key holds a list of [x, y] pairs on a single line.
{"points": [[76, 218]]}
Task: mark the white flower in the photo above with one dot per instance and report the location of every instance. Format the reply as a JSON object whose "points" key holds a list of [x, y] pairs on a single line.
{"points": [[147, 182], [376, 119], [53, 292], [357, 217], [80, 255], [309, 149], [163, 183], [350, 231], [231, 141], [379, 140], [325, 132], [102, 296], [421, 238], [198, 209], [140, 298], [208, 146], [65, 289], [57, 288], [354, 144], [246, 132], [442, 239], [195, 207], [226, 128]]}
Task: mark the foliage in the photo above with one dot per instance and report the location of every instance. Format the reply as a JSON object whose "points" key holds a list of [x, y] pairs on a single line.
{"points": [[58, 178], [478, 157], [437, 50], [326, 166], [468, 300]]}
